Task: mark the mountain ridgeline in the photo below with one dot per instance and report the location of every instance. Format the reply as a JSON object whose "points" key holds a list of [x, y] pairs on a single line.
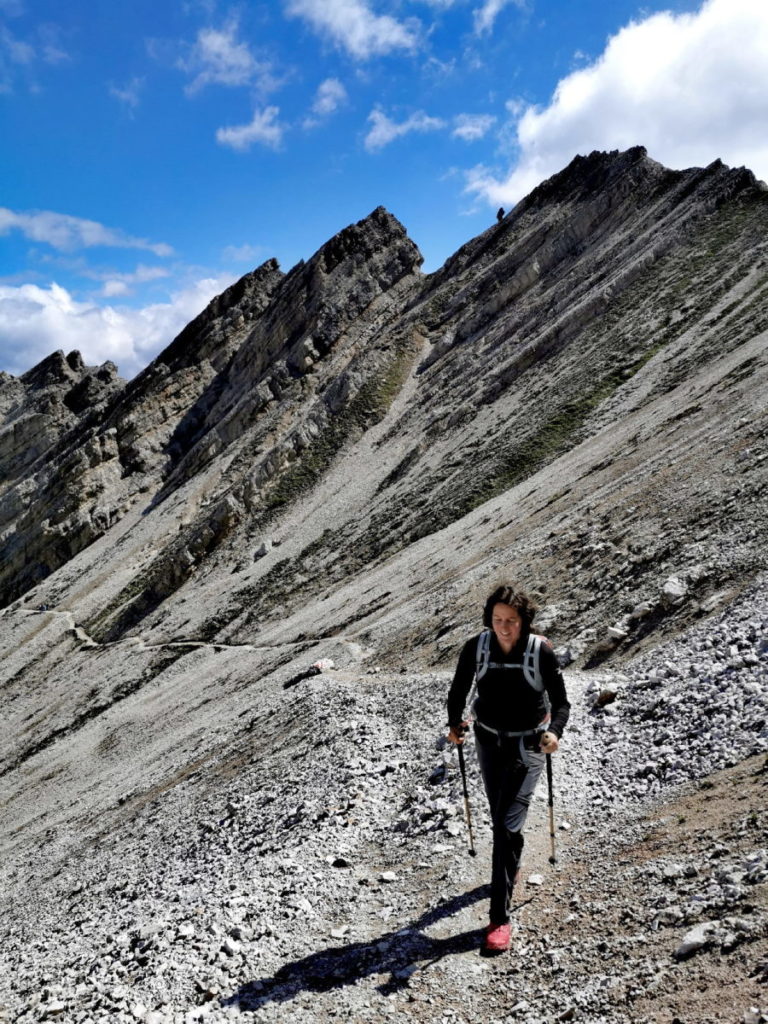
{"points": [[333, 466], [575, 398]]}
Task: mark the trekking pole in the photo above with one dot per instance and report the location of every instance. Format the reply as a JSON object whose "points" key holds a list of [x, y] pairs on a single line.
{"points": [[553, 858], [462, 766]]}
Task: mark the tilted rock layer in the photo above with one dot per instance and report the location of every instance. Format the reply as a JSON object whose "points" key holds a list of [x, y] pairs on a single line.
{"points": [[341, 460]]}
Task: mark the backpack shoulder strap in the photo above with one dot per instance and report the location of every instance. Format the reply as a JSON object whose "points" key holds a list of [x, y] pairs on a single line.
{"points": [[483, 655], [531, 666]]}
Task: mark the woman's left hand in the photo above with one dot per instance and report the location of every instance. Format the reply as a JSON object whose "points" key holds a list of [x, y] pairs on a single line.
{"points": [[548, 743]]}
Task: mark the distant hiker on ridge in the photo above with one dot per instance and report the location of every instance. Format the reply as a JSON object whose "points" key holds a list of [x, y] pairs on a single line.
{"points": [[500, 214], [515, 672]]}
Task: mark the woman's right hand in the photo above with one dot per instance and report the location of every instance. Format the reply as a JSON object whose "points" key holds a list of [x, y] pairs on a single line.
{"points": [[456, 733]]}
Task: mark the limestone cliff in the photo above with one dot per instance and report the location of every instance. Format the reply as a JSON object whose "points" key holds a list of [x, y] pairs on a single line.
{"points": [[79, 447], [312, 426]]}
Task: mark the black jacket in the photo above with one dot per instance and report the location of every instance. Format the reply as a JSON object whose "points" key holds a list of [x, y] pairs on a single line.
{"points": [[505, 699]]}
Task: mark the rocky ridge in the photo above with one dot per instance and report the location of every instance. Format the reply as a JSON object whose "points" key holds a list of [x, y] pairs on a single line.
{"points": [[620, 294], [337, 462]]}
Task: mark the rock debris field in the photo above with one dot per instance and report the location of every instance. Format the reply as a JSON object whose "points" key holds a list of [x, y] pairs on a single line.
{"points": [[321, 869]]}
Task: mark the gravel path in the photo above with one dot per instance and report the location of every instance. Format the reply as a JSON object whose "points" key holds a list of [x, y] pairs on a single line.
{"points": [[318, 866]]}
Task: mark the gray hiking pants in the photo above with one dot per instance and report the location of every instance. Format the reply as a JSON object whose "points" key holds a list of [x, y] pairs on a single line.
{"points": [[510, 772]]}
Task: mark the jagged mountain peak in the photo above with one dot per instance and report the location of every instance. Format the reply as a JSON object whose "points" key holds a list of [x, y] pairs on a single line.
{"points": [[595, 172], [68, 380], [318, 313], [379, 230], [542, 326], [588, 176], [58, 369], [210, 335]]}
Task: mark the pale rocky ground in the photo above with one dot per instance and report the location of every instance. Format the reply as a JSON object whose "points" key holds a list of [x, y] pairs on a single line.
{"points": [[318, 863]]}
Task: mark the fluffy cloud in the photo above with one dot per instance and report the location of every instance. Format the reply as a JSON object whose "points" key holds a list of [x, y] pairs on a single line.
{"points": [[331, 94], [471, 127], [242, 253], [384, 130], [219, 58], [66, 233], [264, 128], [17, 54], [36, 321], [15, 50], [14, 54], [689, 87], [485, 16], [352, 25], [122, 284]]}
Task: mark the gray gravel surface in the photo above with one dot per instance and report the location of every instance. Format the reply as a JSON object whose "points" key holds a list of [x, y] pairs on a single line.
{"points": [[320, 866]]}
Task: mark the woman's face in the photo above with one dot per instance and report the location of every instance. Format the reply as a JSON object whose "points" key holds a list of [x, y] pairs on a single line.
{"points": [[507, 625]]}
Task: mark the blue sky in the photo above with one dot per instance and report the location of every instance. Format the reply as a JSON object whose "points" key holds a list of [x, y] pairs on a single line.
{"points": [[153, 152]]}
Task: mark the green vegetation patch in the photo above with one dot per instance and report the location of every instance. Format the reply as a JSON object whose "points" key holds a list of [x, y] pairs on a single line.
{"points": [[367, 407]]}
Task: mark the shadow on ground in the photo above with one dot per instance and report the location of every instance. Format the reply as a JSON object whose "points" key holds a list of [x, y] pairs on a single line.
{"points": [[400, 953]]}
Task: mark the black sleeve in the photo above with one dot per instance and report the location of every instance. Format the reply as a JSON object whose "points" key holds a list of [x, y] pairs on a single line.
{"points": [[554, 684], [462, 682]]}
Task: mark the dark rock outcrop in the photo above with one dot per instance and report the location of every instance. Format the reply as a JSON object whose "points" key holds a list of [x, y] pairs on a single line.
{"points": [[79, 446]]}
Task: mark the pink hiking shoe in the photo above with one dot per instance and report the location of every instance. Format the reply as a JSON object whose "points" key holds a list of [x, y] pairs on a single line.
{"points": [[497, 938]]}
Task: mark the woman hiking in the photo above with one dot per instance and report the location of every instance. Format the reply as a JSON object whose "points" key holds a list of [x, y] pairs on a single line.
{"points": [[520, 712]]}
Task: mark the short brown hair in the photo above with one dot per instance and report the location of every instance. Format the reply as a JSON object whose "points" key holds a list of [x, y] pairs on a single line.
{"points": [[516, 598]]}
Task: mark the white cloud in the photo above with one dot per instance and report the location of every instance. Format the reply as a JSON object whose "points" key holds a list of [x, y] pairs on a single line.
{"points": [[516, 107], [14, 54], [263, 128], [129, 94], [471, 127], [440, 68], [122, 284], [352, 25], [331, 94], [36, 321], [66, 233], [51, 48], [15, 50], [385, 130], [688, 87], [485, 16], [219, 58], [20, 57], [114, 288]]}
